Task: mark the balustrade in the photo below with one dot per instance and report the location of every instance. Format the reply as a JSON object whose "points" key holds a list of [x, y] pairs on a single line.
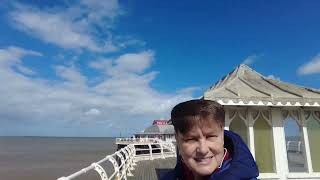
{"points": [[124, 160]]}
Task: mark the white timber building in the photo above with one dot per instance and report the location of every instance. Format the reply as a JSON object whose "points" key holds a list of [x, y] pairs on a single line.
{"points": [[279, 121]]}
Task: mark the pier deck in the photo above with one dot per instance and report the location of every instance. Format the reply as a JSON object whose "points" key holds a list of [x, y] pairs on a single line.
{"points": [[152, 169]]}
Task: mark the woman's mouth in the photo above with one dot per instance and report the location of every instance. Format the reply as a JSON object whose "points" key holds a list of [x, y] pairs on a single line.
{"points": [[204, 160]]}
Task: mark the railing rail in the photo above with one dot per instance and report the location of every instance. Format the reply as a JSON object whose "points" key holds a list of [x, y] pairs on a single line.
{"points": [[137, 140], [124, 160], [294, 146]]}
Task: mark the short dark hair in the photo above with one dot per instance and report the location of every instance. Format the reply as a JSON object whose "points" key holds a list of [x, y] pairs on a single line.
{"points": [[194, 112]]}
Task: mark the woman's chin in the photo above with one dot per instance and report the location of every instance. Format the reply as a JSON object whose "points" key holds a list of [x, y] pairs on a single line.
{"points": [[204, 171]]}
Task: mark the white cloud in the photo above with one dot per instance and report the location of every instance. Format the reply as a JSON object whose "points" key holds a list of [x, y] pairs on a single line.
{"points": [[188, 90], [93, 112], [73, 27], [98, 10], [117, 99], [73, 77], [119, 94], [273, 77], [25, 70], [102, 64], [130, 63], [311, 67], [11, 57], [13, 54], [250, 59], [125, 41], [53, 28]]}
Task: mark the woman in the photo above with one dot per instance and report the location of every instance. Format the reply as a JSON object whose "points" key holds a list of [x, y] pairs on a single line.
{"points": [[205, 150]]}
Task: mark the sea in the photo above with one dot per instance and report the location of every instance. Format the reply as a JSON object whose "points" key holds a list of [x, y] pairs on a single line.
{"points": [[48, 158]]}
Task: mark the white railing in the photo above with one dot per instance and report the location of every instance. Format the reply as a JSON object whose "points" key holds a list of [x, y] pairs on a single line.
{"points": [[294, 146], [137, 140], [124, 160], [169, 146], [153, 151]]}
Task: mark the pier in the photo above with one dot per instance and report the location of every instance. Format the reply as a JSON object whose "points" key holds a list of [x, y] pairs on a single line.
{"points": [[136, 158]]}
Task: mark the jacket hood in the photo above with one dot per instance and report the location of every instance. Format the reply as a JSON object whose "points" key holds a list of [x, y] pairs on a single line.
{"points": [[242, 165]]}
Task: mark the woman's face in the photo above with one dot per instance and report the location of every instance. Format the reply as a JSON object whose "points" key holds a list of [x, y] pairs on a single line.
{"points": [[202, 148]]}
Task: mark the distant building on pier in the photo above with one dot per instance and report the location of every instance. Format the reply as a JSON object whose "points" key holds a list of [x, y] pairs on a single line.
{"points": [[159, 129]]}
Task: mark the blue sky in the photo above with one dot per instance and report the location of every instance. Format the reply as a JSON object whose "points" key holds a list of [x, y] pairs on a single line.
{"points": [[98, 68]]}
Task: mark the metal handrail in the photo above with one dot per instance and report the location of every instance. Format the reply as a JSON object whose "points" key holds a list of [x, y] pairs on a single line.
{"points": [[125, 159], [294, 146]]}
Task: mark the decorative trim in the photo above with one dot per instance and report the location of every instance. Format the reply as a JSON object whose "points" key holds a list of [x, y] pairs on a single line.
{"points": [[314, 114], [237, 113], [261, 114], [294, 115], [268, 103], [307, 114]]}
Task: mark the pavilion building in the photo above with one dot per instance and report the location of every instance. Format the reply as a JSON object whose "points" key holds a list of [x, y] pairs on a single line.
{"points": [[279, 121], [159, 129]]}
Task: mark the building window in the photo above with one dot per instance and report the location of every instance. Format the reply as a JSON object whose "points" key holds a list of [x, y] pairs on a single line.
{"points": [[263, 142], [313, 126], [238, 126], [294, 143]]}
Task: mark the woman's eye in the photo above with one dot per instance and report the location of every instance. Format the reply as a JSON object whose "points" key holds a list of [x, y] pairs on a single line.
{"points": [[211, 136]]}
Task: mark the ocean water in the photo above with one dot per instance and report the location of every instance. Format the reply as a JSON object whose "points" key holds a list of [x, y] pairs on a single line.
{"points": [[46, 158]]}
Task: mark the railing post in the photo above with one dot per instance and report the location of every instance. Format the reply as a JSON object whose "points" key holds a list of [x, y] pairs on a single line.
{"points": [[161, 147], [173, 148], [150, 151], [115, 166], [101, 171], [121, 167], [131, 156], [288, 145], [134, 155], [127, 161]]}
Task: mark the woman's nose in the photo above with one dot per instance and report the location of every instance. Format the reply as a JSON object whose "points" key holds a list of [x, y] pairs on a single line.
{"points": [[202, 147]]}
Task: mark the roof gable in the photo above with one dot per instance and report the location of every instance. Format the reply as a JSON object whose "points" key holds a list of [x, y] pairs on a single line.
{"points": [[245, 86]]}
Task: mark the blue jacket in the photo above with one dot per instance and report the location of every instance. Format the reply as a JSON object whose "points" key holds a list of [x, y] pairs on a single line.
{"points": [[240, 166]]}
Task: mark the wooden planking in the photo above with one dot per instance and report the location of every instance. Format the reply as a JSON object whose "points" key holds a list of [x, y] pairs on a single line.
{"points": [[148, 170]]}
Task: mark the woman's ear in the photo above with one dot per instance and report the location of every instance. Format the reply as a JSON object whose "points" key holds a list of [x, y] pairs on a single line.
{"points": [[222, 135], [177, 143]]}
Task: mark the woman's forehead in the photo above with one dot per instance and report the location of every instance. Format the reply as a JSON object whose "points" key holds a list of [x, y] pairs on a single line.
{"points": [[205, 128], [207, 124]]}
